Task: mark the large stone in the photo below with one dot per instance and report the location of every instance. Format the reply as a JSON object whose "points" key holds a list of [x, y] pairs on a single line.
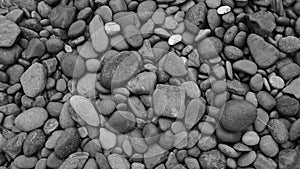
{"points": [[107, 139], [289, 44], [169, 101], [98, 35], [75, 161], [34, 142], [264, 54], [238, 115], [293, 88], [174, 65], [213, 159], [86, 85], [194, 112], [10, 55], [121, 121], [62, 16], [9, 31], [210, 47], [73, 65], [31, 119], [85, 109], [116, 161], [33, 80], [13, 146], [261, 22]]}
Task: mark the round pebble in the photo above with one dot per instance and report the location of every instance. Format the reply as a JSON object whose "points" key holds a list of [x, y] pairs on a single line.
{"points": [[250, 138]]}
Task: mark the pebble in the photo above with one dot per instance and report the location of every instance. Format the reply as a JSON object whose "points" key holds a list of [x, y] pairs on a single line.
{"points": [[247, 159], [102, 161], [33, 80], [85, 109], [194, 112], [293, 88], [222, 10], [174, 39], [34, 142], [289, 44], [191, 89], [76, 29], [158, 16], [250, 138], [238, 115], [210, 47], [268, 146], [261, 22], [142, 83], [121, 121], [245, 66], [87, 51], [261, 121], [9, 31], [76, 160], [10, 55], [174, 65], [278, 131], [36, 48], [166, 140], [212, 159], [276, 82], [15, 15], [286, 158], [146, 9], [263, 53], [289, 71], [133, 36], [67, 143], [62, 16], [207, 143], [99, 38], [50, 143], [154, 156], [13, 146], [195, 17], [170, 23], [227, 150], [116, 161], [265, 100], [164, 104], [86, 85], [117, 6], [295, 130], [213, 4], [54, 45], [31, 119], [73, 65], [287, 106], [112, 28], [107, 139], [25, 162]]}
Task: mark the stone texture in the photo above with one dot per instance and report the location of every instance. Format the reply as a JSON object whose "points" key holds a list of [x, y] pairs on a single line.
{"points": [[9, 31], [31, 119]]}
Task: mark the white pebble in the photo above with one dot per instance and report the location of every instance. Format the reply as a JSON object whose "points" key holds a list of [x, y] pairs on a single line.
{"points": [[276, 82], [112, 28], [68, 48], [223, 10], [174, 39]]}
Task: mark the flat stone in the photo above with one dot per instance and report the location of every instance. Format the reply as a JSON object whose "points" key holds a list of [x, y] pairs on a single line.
{"points": [[268, 146], [31, 119], [169, 101], [261, 22], [264, 162], [25, 162], [191, 89], [107, 139], [295, 130], [102, 161], [34, 142], [72, 64], [265, 100], [62, 16], [146, 9], [247, 159], [33, 80], [126, 18], [117, 6], [287, 158], [76, 29], [9, 31], [277, 82], [99, 38], [293, 88], [250, 138], [174, 65], [289, 71], [159, 16], [278, 131], [147, 29], [263, 53], [10, 55], [233, 53], [15, 15], [237, 87], [85, 109], [75, 160]]}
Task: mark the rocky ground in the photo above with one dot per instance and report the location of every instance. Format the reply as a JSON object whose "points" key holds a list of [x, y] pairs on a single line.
{"points": [[156, 84]]}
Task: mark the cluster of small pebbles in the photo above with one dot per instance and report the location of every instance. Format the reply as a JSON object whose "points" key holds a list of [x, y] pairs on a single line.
{"points": [[149, 84]]}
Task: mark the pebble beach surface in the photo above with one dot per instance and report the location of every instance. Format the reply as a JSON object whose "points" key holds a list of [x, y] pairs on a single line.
{"points": [[149, 84]]}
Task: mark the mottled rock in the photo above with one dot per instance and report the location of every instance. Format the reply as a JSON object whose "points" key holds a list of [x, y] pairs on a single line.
{"points": [[9, 31], [62, 16], [31, 119], [261, 22], [34, 142], [121, 121]]}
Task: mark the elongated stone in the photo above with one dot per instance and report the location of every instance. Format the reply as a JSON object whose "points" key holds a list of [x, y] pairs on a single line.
{"points": [[100, 40]]}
